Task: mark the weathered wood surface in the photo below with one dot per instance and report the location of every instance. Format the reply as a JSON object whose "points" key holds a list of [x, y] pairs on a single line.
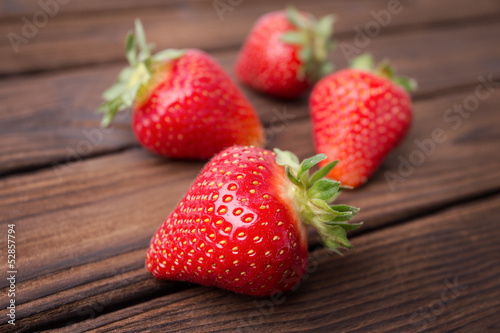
{"points": [[75, 40], [83, 226], [441, 276], [58, 122], [103, 199], [15, 8]]}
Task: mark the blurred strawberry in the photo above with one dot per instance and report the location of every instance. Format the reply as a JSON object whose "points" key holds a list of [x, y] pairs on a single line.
{"points": [[185, 105], [358, 116], [285, 53]]}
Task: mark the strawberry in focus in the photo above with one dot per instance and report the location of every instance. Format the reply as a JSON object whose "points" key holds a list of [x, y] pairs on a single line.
{"points": [[241, 225], [185, 105], [359, 115], [285, 53]]}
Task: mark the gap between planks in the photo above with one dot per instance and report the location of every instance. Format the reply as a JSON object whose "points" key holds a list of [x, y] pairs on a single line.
{"points": [[297, 117], [422, 15], [59, 112], [431, 244], [147, 289], [372, 188]]}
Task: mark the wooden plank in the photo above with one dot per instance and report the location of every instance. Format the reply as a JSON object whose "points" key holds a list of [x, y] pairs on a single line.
{"points": [[440, 273], [58, 119], [68, 41], [96, 220], [9, 8]]}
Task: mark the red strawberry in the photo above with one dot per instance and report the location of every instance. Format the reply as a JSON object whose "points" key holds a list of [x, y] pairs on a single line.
{"points": [[285, 53], [241, 224], [185, 105], [358, 116]]}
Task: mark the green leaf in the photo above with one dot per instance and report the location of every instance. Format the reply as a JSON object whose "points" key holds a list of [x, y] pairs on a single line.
{"points": [[308, 163], [335, 236], [323, 189], [342, 217], [294, 37], [325, 25], [131, 49], [332, 199], [408, 84], [344, 208], [313, 37], [114, 91], [110, 108], [334, 218], [385, 69], [313, 195], [296, 18], [123, 92], [323, 172], [141, 39], [321, 204], [326, 213], [346, 226], [326, 68], [125, 74], [140, 75], [363, 62], [168, 54], [306, 53], [128, 96], [291, 176], [284, 157]]}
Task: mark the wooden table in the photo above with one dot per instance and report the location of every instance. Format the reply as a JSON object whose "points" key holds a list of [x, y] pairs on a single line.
{"points": [[85, 202]]}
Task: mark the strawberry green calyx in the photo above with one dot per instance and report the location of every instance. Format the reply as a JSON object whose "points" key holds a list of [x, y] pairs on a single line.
{"points": [[314, 38], [314, 195], [365, 63], [141, 71]]}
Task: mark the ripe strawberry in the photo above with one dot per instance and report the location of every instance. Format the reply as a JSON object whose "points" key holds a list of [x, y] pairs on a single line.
{"points": [[241, 224], [358, 116], [285, 53], [185, 105]]}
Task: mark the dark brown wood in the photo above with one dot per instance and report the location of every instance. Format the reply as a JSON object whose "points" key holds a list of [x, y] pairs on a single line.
{"points": [[83, 226], [16, 8], [102, 199], [68, 40], [440, 276], [100, 194], [58, 122]]}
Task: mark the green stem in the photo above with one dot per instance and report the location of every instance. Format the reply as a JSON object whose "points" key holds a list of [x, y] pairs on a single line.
{"points": [[142, 65], [384, 69], [313, 197]]}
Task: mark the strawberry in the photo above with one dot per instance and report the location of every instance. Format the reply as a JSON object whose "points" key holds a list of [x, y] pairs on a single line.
{"points": [[185, 105], [285, 53], [358, 116], [241, 225]]}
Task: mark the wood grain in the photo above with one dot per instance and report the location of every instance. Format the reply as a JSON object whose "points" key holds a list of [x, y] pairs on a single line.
{"points": [[95, 216], [85, 203], [68, 40], [16, 8], [395, 281], [58, 123]]}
